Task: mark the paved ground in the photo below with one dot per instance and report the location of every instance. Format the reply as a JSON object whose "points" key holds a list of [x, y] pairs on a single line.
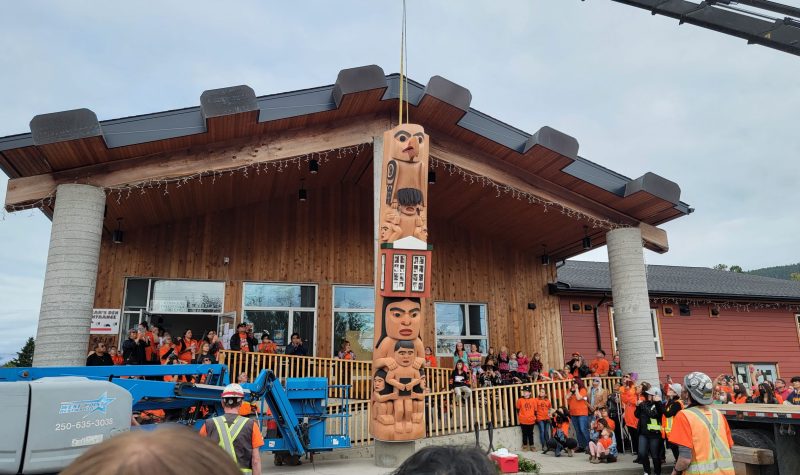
{"points": [[577, 465]]}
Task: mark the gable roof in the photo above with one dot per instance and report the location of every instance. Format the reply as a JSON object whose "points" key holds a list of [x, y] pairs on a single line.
{"points": [[594, 277]]}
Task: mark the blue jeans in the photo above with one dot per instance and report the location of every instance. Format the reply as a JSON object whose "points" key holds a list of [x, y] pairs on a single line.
{"points": [[544, 432], [581, 424]]}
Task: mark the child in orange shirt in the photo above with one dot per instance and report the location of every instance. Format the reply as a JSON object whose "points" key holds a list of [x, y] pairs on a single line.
{"points": [[526, 413], [543, 418], [430, 360], [603, 448], [115, 357]]}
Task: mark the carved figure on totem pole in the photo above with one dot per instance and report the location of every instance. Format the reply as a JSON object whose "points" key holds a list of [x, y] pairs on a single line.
{"points": [[403, 280]]}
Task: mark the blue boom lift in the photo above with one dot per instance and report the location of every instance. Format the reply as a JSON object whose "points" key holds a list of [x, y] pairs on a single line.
{"points": [[303, 423]]}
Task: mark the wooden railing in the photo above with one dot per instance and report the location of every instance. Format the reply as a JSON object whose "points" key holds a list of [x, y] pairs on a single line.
{"points": [[356, 374], [445, 416]]}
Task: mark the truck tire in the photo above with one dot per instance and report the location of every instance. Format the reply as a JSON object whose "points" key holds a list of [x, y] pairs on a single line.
{"points": [[758, 440]]}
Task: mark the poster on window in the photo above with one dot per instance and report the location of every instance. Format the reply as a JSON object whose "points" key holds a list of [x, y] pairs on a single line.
{"points": [[105, 321]]}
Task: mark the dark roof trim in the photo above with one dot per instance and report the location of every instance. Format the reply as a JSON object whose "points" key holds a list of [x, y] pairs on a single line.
{"points": [[82, 123], [560, 288]]}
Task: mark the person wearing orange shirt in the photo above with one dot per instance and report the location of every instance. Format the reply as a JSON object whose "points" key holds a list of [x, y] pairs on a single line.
{"points": [[701, 432], [167, 349], [115, 357], [578, 405], [430, 360], [543, 418], [526, 414], [243, 435], [267, 345], [241, 341], [599, 365], [186, 347], [629, 396], [560, 434], [151, 350]]}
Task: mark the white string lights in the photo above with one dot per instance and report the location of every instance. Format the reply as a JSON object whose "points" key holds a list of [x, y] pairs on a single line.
{"points": [[162, 184], [739, 306], [503, 189]]}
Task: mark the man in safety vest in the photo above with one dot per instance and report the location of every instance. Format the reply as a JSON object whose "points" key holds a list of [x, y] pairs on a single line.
{"points": [[238, 436], [701, 432]]}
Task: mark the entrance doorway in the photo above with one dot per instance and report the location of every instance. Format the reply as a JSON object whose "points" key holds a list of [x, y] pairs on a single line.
{"points": [[176, 324], [176, 305], [281, 310]]}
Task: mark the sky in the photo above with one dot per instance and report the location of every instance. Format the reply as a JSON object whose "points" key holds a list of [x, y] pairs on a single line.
{"points": [[639, 92]]}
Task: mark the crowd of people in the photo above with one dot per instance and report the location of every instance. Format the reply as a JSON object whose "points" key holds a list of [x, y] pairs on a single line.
{"points": [[153, 345]]}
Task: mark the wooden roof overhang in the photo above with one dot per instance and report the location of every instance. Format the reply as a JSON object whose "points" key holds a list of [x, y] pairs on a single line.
{"points": [[232, 127]]}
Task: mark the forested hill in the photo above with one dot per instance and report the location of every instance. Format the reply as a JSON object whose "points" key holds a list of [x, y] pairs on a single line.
{"points": [[778, 272]]}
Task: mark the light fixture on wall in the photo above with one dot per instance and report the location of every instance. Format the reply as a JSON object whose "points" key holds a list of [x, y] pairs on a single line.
{"points": [[313, 166], [118, 235], [302, 193], [587, 241], [431, 177], [545, 256]]}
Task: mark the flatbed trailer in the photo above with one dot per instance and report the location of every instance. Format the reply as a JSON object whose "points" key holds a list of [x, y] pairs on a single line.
{"points": [[774, 427]]}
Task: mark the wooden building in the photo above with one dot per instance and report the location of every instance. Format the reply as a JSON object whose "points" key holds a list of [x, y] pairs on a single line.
{"points": [[261, 208], [703, 319]]}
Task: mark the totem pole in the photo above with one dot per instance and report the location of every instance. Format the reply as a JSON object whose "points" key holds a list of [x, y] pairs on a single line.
{"points": [[403, 280]]}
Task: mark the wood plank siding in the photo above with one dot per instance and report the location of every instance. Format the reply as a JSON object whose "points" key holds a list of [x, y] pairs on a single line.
{"points": [[698, 342], [329, 240]]}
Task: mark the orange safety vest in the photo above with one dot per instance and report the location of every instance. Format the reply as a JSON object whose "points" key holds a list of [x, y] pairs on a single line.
{"points": [[710, 452], [666, 422]]}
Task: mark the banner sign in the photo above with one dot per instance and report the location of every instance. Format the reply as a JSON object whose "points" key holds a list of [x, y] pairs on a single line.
{"points": [[105, 321]]}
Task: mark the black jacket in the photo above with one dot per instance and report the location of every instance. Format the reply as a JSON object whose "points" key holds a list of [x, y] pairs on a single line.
{"points": [[97, 360], [646, 411], [133, 352], [298, 350], [236, 343]]}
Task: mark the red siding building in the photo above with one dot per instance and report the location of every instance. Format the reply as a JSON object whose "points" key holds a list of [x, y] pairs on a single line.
{"points": [[708, 320]]}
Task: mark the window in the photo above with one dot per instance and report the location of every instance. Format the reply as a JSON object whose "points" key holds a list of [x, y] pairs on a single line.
{"points": [[399, 273], [797, 321], [654, 324], [418, 274], [353, 319], [465, 322], [282, 309], [754, 373]]}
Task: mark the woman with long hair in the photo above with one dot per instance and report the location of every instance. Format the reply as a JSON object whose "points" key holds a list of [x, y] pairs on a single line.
{"points": [[579, 411], [765, 395], [460, 380], [186, 347], [460, 354], [649, 411]]}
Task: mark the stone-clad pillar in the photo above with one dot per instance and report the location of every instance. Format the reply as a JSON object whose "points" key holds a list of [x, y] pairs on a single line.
{"points": [[71, 276], [632, 322]]}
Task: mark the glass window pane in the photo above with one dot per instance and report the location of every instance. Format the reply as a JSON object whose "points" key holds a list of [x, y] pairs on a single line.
{"points": [[183, 296], [449, 319], [477, 320], [358, 329], [308, 296], [445, 346], [273, 295], [482, 344], [303, 323], [136, 293], [276, 322], [354, 297]]}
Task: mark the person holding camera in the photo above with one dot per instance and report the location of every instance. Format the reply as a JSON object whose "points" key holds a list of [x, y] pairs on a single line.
{"points": [[578, 405], [649, 411], [629, 397], [560, 440]]}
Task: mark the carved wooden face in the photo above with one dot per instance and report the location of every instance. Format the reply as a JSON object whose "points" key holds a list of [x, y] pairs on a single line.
{"points": [[403, 320], [379, 384], [404, 356], [408, 142]]}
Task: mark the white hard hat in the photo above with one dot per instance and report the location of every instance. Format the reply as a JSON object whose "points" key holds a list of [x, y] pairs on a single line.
{"points": [[233, 390]]}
